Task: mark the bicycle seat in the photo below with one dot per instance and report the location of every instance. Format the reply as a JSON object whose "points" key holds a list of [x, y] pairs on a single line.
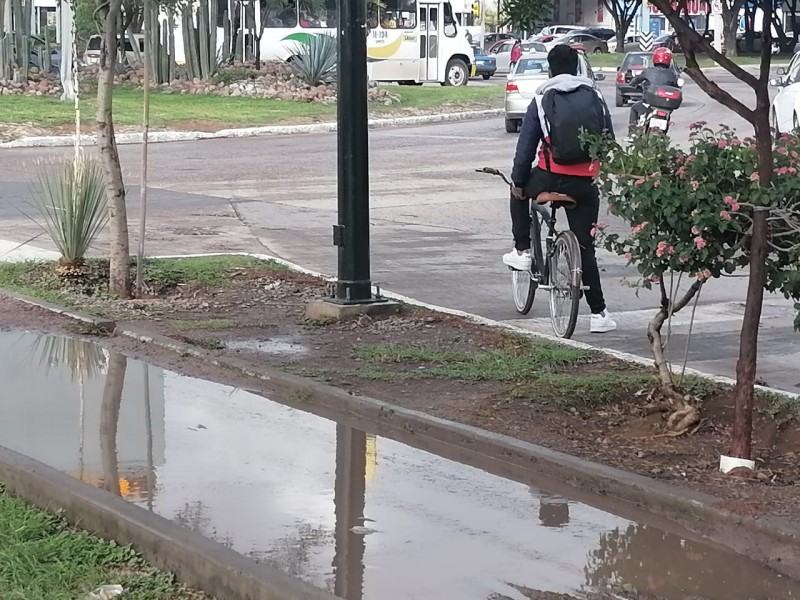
{"points": [[556, 200]]}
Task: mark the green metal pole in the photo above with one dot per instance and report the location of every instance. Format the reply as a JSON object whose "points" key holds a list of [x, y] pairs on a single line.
{"points": [[351, 234]]}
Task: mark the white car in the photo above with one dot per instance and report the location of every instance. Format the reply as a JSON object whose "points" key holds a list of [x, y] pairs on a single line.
{"points": [[631, 43], [786, 105], [559, 30], [527, 76]]}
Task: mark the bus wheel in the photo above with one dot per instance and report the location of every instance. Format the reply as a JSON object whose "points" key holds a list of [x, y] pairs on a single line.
{"points": [[457, 73]]}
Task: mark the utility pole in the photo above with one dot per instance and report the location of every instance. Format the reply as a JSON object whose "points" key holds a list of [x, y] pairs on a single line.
{"points": [[351, 233]]}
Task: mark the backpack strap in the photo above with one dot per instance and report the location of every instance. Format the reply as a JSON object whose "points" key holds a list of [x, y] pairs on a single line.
{"points": [[547, 148]]}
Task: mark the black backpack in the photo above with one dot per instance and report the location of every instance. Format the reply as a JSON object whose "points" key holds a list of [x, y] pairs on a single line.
{"points": [[567, 115]]}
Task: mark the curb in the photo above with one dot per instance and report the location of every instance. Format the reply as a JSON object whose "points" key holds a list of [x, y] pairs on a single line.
{"points": [[57, 141], [194, 559]]}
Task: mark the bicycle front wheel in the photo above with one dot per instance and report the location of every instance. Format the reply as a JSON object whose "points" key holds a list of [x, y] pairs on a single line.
{"points": [[523, 283], [565, 284]]}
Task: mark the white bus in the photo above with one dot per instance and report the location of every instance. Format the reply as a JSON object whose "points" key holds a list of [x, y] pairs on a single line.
{"points": [[410, 41]]}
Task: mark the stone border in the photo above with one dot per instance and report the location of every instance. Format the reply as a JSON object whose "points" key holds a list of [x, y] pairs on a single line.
{"points": [[57, 141], [194, 559]]}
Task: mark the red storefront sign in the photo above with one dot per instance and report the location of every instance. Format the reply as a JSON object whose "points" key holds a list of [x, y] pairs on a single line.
{"points": [[695, 7]]}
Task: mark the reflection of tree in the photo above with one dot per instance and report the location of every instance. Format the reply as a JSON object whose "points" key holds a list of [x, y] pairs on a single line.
{"points": [[109, 420], [291, 554], [193, 516], [85, 360], [647, 559]]}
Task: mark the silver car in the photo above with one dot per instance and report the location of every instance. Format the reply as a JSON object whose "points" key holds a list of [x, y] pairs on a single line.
{"points": [[527, 76]]}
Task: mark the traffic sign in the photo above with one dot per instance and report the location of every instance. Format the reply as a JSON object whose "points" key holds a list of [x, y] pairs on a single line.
{"points": [[646, 41]]}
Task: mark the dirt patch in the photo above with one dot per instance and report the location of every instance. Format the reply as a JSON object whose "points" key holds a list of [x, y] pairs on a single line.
{"points": [[575, 401]]}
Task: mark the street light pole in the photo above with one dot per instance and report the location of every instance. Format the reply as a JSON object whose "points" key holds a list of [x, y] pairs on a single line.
{"points": [[351, 234]]}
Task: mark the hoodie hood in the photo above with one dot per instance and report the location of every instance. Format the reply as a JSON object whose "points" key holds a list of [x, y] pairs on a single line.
{"points": [[564, 83]]}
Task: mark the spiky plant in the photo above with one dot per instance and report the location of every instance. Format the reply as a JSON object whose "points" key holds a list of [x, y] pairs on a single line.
{"points": [[70, 197], [315, 59]]}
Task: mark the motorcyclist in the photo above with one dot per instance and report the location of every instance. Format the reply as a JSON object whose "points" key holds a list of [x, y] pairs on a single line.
{"points": [[661, 73]]}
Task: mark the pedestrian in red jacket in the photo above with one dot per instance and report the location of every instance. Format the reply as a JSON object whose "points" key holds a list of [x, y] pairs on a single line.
{"points": [[516, 53]]}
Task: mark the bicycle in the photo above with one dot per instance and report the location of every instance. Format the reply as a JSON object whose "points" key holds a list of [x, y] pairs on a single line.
{"points": [[557, 270]]}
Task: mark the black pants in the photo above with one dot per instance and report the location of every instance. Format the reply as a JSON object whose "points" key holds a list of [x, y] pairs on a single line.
{"points": [[637, 110], [581, 220]]}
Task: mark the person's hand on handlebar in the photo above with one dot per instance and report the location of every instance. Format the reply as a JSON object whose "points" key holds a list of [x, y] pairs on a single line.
{"points": [[517, 193]]}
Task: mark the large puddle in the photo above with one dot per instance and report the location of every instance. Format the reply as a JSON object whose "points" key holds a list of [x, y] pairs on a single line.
{"points": [[361, 516]]}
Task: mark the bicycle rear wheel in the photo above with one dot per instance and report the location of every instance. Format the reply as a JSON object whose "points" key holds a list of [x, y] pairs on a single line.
{"points": [[565, 281], [523, 283]]}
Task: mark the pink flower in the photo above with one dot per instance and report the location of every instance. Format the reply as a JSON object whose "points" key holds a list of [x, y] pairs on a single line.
{"points": [[699, 242], [725, 215], [794, 154], [783, 151], [782, 170], [601, 225], [628, 256], [792, 170], [695, 231], [736, 142], [729, 199], [670, 249], [681, 172], [755, 177], [639, 181], [661, 249], [636, 229], [722, 144], [703, 275], [655, 278], [695, 185], [593, 232]]}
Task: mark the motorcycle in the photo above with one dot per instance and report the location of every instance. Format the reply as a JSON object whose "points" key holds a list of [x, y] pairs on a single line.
{"points": [[660, 102]]}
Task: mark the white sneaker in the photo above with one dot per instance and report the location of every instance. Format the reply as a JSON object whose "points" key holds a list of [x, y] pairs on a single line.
{"points": [[521, 261], [602, 323]]}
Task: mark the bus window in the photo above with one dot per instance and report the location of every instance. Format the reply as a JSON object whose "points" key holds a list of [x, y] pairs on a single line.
{"points": [[318, 14], [399, 14], [372, 16], [449, 21], [283, 16]]}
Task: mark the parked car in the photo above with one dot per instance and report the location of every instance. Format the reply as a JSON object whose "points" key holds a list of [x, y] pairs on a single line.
{"points": [[786, 105], [92, 54], [491, 39], [671, 41], [529, 73], [501, 51], [37, 46], [588, 43], [485, 65], [604, 33], [528, 47], [632, 64], [631, 43], [558, 30], [741, 43]]}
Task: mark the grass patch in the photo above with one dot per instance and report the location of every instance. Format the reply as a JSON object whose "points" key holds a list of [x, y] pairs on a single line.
{"points": [[38, 278], [41, 556], [568, 390], [207, 343], [186, 110], [517, 359], [205, 324]]}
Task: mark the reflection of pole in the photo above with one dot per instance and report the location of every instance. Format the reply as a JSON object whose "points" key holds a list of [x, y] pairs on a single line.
{"points": [[149, 431], [83, 421], [349, 492], [109, 418]]}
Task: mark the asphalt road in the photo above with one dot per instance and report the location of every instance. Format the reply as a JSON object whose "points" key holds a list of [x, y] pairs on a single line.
{"points": [[438, 228]]}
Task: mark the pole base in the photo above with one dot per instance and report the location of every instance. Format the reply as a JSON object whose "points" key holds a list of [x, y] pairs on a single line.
{"points": [[339, 310]]}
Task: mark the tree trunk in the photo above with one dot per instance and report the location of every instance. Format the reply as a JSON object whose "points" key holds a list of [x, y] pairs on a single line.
{"points": [[119, 257], [109, 420], [748, 342], [730, 25]]}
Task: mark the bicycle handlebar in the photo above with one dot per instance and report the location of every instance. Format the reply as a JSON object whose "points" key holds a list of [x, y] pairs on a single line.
{"points": [[495, 172]]}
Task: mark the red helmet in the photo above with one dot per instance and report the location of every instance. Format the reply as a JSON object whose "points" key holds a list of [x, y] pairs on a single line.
{"points": [[662, 56]]}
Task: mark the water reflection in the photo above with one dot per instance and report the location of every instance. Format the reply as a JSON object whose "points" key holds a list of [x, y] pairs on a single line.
{"points": [[300, 491]]}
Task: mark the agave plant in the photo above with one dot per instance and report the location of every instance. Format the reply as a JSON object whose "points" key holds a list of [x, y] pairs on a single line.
{"points": [[315, 59], [70, 197]]}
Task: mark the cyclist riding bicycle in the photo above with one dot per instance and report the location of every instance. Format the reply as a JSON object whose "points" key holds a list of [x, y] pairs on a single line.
{"points": [[661, 73], [582, 108]]}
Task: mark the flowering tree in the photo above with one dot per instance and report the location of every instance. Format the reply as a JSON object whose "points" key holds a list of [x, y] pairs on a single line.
{"points": [[692, 220]]}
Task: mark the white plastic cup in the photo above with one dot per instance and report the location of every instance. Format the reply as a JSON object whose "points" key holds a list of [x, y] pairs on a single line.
{"points": [[729, 463]]}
